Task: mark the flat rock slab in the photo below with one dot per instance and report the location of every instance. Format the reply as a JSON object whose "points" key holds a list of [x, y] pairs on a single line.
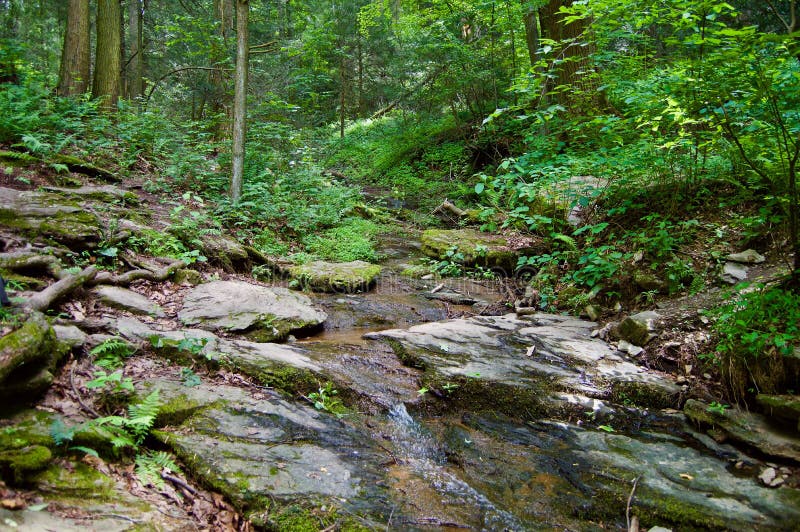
{"points": [[262, 450], [748, 428], [282, 366], [513, 362], [477, 249], [124, 299], [336, 277], [263, 314], [49, 215]]}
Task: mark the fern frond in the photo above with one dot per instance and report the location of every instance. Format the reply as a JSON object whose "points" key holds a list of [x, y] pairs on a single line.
{"points": [[150, 465], [141, 416]]}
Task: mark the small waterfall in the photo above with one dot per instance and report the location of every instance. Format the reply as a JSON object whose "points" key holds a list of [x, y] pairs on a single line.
{"points": [[418, 449]]}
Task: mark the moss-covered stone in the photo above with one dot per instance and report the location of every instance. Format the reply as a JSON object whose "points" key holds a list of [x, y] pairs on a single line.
{"points": [[474, 248], [82, 166], [187, 276], [22, 462], [26, 356], [27, 283], [344, 277], [785, 407]]}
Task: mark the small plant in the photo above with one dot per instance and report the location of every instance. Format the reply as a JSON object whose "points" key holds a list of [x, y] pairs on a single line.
{"points": [[717, 408], [111, 353], [112, 383], [422, 391], [324, 399], [151, 465], [607, 428], [449, 387]]}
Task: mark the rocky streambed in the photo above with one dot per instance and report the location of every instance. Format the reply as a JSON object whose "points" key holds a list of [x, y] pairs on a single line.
{"points": [[376, 410]]}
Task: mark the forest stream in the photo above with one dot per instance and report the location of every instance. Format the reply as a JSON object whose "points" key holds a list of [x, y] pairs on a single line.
{"points": [[396, 410]]}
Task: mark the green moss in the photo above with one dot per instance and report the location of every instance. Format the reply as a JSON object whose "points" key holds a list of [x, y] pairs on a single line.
{"points": [[476, 248], [404, 355], [21, 462], [346, 277], [16, 159], [643, 394], [29, 283]]}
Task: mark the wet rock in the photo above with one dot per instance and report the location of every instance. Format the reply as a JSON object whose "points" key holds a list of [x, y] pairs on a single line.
{"points": [[733, 273], [336, 277], [478, 249], [265, 453], [510, 363], [627, 347], [593, 312], [639, 328], [770, 477], [225, 252], [263, 314], [450, 296], [746, 427], [749, 256], [124, 299], [44, 214]]}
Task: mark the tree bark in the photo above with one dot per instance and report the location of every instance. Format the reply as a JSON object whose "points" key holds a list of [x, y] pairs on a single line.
{"points": [[135, 66], [531, 35], [219, 101], [41, 301], [240, 99], [73, 76], [107, 77]]}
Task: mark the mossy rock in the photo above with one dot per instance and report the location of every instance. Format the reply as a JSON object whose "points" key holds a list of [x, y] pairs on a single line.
{"points": [[786, 407], [187, 276], [25, 352], [336, 277], [22, 462], [50, 216], [472, 248], [28, 283]]}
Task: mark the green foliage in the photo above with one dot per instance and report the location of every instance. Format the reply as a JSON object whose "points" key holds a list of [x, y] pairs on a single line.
{"points": [[757, 333], [111, 353], [353, 240], [189, 378], [717, 408], [325, 399], [113, 383], [162, 244], [151, 464]]}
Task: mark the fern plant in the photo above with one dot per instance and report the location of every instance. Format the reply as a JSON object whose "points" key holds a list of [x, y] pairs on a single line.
{"points": [[151, 464], [111, 353]]}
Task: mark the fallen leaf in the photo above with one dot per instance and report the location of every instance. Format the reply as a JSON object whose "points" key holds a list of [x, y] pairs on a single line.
{"points": [[686, 476], [13, 504]]}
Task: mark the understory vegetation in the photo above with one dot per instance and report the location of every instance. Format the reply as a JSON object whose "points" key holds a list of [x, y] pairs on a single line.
{"points": [[642, 149]]}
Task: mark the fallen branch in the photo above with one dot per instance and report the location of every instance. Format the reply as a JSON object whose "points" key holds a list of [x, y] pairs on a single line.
{"points": [[41, 301], [78, 396], [448, 206], [179, 482], [635, 521]]}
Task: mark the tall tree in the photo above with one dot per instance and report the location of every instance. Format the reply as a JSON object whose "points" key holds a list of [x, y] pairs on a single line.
{"points": [[135, 66], [73, 77], [107, 55], [240, 98], [219, 77]]}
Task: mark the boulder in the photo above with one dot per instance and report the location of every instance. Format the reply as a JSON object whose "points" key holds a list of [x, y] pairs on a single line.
{"points": [[749, 256], [478, 249], [733, 273], [785, 407], [336, 277], [124, 299], [262, 314], [28, 357], [48, 215], [639, 328]]}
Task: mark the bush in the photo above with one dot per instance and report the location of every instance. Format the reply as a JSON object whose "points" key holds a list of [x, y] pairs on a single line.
{"points": [[757, 334], [353, 240]]}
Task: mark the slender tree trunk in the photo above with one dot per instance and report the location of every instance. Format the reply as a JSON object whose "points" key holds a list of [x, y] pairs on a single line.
{"points": [[240, 98], [135, 60], [73, 77], [107, 55], [342, 96], [219, 100]]}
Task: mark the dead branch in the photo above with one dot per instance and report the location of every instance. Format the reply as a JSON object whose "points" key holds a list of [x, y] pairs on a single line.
{"points": [[448, 206], [42, 300], [77, 393], [635, 521]]}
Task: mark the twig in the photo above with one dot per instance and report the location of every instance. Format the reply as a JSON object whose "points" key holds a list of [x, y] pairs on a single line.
{"points": [[630, 499], [179, 482], [86, 407], [123, 517]]}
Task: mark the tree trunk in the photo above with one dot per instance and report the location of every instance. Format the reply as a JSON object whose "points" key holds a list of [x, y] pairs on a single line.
{"points": [[531, 35], [240, 99], [107, 55], [135, 59], [219, 101], [73, 76]]}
